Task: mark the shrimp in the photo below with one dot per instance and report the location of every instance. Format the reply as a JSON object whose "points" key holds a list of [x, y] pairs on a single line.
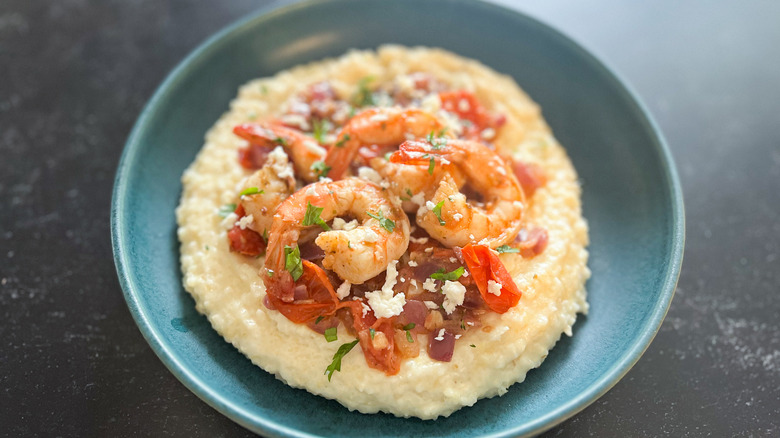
{"points": [[378, 126], [447, 215], [303, 150], [355, 255], [271, 185]]}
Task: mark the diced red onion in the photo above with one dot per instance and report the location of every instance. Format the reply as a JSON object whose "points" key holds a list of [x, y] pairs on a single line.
{"points": [[414, 312], [310, 251], [300, 292], [441, 350], [267, 303]]}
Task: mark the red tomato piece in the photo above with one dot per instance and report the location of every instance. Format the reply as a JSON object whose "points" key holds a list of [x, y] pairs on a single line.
{"points": [[246, 241], [320, 300], [384, 359], [484, 265], [467, 107]]}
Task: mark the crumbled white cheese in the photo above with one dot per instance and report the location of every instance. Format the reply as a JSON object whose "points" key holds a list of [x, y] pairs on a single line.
{"points": [[463, 105], [453, 260], [245, 221], [428, 250], [412, 263], [343, 290], [431, 103], [295, 120], [500, 169], [229, 222], [431, 305], [383, 302], [403, 280], [454, 293], [340, 224], [465, 273], [409, 136], [494, 288], [280, 164], [310, 191], [365, 309], [429, 285], [488, 133], [440, 336], [430, 205], [457, 217], [418, 199], [420, 240], [458, 336], [325, 179], [471, 236], [369, 174]]}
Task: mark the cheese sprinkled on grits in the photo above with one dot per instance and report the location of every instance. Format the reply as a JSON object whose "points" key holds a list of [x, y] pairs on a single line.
{"points": [[228, 288]]}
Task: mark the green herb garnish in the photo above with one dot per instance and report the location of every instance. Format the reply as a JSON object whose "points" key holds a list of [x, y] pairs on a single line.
{"points": [[409, 337], [331, 334], [506, 249], [250, 191], [320, 128], [437, 212], [226, 209], [269, 272], [312, 217], [344, 138], [431, 164], [473, 346], [372, 332], [320, 168], [441, 274], [386, 223], [281, 141], [265, 235], [363, 97], [319, 318], [436, 144], [340, 353], [292, 262], [409, 326]]}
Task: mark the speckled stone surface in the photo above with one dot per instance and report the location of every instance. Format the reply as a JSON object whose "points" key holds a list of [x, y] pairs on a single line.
{"points": [[74, 75]]}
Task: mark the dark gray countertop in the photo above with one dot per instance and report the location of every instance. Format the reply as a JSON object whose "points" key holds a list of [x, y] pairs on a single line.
{"points": [[74, 75]]}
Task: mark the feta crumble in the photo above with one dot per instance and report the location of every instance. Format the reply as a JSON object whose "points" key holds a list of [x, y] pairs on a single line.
{"points": [[383, 302]]}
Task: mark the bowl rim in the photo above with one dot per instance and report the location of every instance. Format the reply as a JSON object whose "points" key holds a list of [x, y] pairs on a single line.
{"points": [[171, 359]]}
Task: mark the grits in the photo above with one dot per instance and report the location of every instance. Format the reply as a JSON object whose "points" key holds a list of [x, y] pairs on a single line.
{"points": [[228, 289]]}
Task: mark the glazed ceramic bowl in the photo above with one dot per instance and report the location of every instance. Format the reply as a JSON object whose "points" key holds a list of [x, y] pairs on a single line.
{"points": [[631, 197]]}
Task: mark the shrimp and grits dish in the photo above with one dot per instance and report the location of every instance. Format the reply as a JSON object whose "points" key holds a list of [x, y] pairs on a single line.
{"points": [[397, 230]]}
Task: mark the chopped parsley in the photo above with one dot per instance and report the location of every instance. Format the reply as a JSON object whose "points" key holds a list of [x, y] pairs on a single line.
{"points": [[408, 327], [292, 261], [226, 209], [441, 274], [436, 142], [331, 334], [250, 191], [340, 353], [506, 248], [320, 129], [473, 346], [320, 168], [344, 138], [363, 97], [386, 223], [269, 272], [281, 141], [265, 235], [372, 332], [319, 318], [431, 164], [437, 212], [312, 217]]}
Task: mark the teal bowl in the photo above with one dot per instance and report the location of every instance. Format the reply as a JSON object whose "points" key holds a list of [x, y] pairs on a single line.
{"points": [[631, 197]]}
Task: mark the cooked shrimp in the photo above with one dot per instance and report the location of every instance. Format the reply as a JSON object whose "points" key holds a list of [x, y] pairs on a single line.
{"points": [[378, 126], [447, 215], [303, 150], [355, 255], [270, 185]]}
